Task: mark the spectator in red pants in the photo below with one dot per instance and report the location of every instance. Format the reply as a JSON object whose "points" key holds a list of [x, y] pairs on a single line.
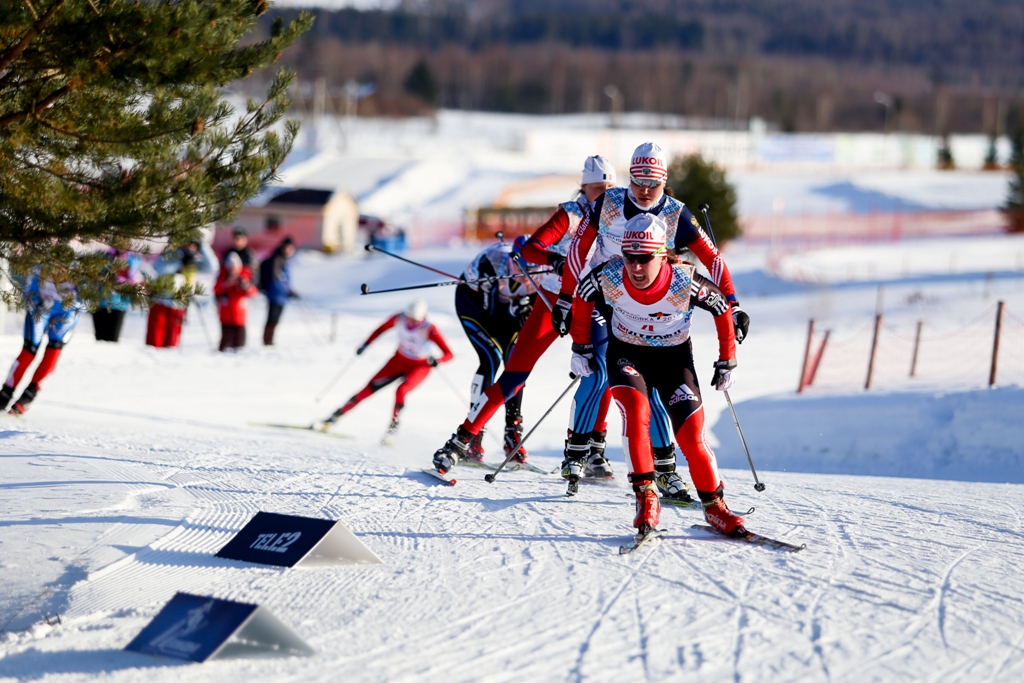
{"points": [[412, 362], [166, 314], [233, 290]]}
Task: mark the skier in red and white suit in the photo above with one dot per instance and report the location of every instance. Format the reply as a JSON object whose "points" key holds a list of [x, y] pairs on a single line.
{"points": [[648, 301], [546, 247], [412, 362], [600, 237]]}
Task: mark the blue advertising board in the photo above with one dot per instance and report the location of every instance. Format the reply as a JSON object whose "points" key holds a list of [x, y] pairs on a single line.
{"points": [[191, 627], [278, 540]]}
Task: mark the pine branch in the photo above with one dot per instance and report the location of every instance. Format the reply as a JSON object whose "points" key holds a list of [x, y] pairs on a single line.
{"points": [[16, 51]]}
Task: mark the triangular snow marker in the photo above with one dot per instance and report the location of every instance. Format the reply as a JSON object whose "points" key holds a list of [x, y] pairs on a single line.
{"points": [[291, 541], [198, 628]]}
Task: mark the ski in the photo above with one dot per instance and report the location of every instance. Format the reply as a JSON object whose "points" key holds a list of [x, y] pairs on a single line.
{"points": [[303, 428], [599, 481], [513, 467], [439, 475], [685, 504], [640, 540], [755, 539]]}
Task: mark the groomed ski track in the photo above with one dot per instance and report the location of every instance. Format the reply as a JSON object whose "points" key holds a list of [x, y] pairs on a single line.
{"points": [[114, 499]]}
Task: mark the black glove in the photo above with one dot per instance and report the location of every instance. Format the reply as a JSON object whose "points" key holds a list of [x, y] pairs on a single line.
{"points": [[740, 321], [360, 350], [722, 370], [583, 354], [557, 263], [431, 361], [561, 314], [293, 295], [521, 309]]}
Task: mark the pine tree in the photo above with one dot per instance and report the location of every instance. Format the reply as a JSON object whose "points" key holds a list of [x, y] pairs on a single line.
{"points": [[695, 181], [114, 129], [1014, 206], [421, 82]]}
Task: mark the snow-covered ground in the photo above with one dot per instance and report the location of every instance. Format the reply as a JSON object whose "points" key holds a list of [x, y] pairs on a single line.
{"points": [[136, 465]]}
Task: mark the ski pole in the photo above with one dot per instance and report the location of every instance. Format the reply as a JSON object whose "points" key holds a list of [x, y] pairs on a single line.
{"points": [[758, 486], [337, 377], [370, 247], [451, 385], [704, 209], [365, 288], [540, 293], [490, 477], [202, 322]]}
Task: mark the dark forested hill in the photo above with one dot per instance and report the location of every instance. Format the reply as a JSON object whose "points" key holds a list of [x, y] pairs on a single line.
{"points": [[806, 64]]}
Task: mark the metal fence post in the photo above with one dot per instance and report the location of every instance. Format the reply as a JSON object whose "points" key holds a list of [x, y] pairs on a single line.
{"points": [[874, 347], [995, 344], [917, 345], [807, 355]]}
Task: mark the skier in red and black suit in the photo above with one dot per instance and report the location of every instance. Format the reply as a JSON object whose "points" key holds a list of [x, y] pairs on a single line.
{"points": [[546, 247], [411, 363], [647, 299], [602, 233], [492, 313]]}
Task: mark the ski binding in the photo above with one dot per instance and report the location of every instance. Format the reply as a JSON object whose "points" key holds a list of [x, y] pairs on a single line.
{"points": [[640, 540]]}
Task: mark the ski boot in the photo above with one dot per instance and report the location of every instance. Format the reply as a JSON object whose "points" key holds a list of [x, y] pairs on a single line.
{"points": [[577, 448], [514, 437], [390, 432], [648, 505], [6, 394], [669, 482], [597, 466], [324, 425], [718, 514], [475, 453], [27, 396], [455, 449]]}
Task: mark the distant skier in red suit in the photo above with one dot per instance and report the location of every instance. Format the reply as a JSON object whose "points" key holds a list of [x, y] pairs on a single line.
{"points": [[412, 361]]}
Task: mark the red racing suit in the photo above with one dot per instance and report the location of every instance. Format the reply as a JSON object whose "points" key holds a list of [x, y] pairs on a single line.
{"points": [[411, 362], [650, 350], [548, 245]]}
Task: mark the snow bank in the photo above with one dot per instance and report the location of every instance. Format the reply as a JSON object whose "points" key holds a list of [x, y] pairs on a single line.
{"points": [[966, 436]]}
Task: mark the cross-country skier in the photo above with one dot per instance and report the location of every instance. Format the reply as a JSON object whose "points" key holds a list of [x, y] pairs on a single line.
{"points": [[602, 232], [647, 299], [48, 314], [492, 314], [411, 363], [547, 246]]}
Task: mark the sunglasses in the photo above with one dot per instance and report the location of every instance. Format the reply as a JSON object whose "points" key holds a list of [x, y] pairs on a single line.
{"points": [[638, 258], [645, 182]]}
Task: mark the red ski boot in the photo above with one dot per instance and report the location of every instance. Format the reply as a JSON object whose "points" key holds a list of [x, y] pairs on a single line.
{"points": [[648, 506], [514, 437], [718, 514], [476, 448]]}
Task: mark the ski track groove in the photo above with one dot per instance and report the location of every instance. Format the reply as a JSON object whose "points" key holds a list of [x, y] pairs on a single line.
{"points": [[943, 588], [585, 646]]}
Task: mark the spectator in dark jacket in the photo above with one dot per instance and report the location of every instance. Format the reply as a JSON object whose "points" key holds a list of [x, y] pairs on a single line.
{"points": [[275, 281], [240, 246]]}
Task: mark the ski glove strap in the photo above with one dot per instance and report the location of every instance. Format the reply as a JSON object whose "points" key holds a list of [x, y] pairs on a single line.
{"points": [[583, 361], [741, 321], [724, 374], [561, 314]]}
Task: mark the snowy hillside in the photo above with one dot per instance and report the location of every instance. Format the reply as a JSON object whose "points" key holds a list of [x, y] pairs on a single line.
{"points": [[134, 466]]}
